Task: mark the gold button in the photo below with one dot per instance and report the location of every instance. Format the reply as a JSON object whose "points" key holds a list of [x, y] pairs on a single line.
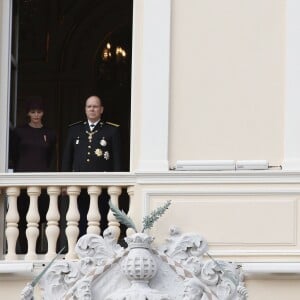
{"points": [[87, 160], [89, 153], [89, 146]]}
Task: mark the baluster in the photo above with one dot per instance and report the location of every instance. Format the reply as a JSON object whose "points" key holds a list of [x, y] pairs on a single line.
{"points": [[130, 214], [113, 224], [72, 217], [33, 218], [93, 215], [52, 230], [12, 219]]}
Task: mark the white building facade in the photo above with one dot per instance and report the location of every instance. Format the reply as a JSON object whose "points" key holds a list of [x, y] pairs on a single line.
{"points": [[210, 81]]}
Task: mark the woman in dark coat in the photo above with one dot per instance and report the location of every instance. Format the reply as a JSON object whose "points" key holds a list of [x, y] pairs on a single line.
{"points": [[33, 144], [33, 149]]}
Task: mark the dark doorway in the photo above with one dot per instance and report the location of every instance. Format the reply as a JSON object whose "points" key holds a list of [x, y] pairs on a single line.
{"points": [[69, 49]]}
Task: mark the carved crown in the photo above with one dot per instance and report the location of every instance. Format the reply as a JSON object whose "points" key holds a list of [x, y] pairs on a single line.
{"points": [[139, 240]]}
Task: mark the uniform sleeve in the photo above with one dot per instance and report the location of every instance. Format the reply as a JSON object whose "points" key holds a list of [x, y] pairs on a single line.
{"points": [[116, 148], [67, 161]]}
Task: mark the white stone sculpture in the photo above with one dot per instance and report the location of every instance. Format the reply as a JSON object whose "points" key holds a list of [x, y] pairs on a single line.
{"points": [[181, 269], [139, 266], [27, 292]]}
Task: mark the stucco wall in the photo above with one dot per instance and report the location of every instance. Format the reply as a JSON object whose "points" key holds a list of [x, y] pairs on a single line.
{"points": [[243, 219], [227, 80], [273, 289], [227, 90]]}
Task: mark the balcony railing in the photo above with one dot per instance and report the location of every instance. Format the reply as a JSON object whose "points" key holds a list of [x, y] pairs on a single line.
{"points": [[57, 186], [134, 185]]}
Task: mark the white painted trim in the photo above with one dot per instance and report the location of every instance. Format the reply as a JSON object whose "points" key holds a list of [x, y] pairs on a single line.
{"points": [[155, 86], [164, 178], [134, 67], [286, 254], [188, 192], [5, 61], [292, 87], [271, 270], [67, 179], [253, 270], [217, 177], [16, 267]]}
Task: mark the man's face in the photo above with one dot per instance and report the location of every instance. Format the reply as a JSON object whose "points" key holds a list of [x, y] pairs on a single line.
{"points": [[84, 291], [93, 109]]}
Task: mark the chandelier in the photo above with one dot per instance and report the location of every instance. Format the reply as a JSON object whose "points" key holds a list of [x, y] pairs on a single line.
{"points": [[117, 53], [113, 63]]}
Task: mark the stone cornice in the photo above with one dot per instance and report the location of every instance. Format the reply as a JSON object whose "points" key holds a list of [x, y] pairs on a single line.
{"points": [[153, 178], [253, 270]]}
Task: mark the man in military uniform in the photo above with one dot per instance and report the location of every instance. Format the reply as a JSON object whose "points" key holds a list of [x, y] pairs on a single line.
{"points": [[93, 145]]}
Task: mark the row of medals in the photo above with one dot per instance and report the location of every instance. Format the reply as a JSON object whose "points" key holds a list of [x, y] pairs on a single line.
{"points": [[102, 142]]}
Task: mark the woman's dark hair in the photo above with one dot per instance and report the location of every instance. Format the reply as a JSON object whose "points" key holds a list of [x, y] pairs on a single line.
{"points": [[34, 102]]}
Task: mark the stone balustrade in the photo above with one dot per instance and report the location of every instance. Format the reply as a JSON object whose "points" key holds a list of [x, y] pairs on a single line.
{"points": [[10, 190]]}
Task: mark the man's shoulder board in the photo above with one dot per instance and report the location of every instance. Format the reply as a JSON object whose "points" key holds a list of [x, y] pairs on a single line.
{"points": [[113, 124], [76, 123]]}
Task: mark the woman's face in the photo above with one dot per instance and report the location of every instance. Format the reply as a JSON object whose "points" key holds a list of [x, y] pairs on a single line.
{"points": [[35, 116]]}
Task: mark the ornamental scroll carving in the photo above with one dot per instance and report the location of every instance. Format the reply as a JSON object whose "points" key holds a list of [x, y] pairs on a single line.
{"points": [[179, 269]]}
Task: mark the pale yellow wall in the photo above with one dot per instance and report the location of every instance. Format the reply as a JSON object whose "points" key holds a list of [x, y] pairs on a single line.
{"points": [[252, 222], [274, 289], [230, 221], [227, 80], [227, 56], [11, 288]]}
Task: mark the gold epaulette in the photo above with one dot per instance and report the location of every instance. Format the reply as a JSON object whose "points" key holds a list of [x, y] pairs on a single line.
{"points": [[75, 123], [113, 124]]}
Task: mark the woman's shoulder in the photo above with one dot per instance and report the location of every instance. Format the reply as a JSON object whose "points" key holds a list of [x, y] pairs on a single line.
{"points": [[21, 128]]}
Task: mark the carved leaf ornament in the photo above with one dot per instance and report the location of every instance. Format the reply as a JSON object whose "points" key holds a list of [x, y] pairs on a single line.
{"points": [[180, 269]]}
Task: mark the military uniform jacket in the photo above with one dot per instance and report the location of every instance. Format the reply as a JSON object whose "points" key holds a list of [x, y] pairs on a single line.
{"points": [[92, 151]]}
